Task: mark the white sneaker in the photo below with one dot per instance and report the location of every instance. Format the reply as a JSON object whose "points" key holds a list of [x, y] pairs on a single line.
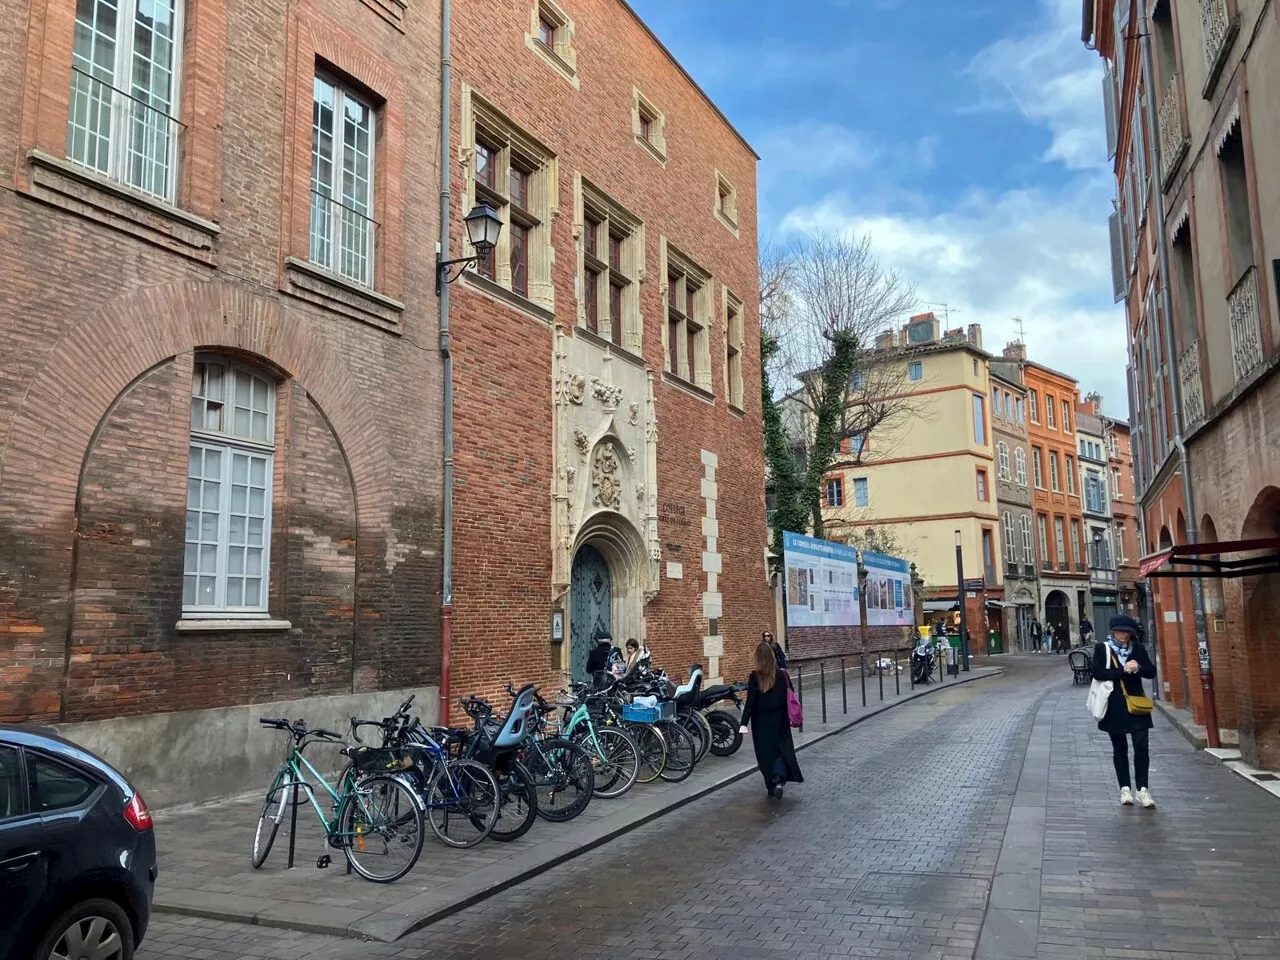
{"points": [[1126, 796], [1144, 798]]}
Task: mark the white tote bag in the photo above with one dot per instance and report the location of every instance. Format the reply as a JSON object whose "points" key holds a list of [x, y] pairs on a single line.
{"points": [[1099, 695]]}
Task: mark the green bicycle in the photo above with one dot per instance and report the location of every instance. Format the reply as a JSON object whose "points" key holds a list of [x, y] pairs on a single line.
{"points": [[377, 819]]}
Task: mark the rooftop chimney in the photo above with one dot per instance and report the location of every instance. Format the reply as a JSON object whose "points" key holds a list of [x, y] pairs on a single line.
{"points": [[1015, 351], [1094, 400], [975, 335]]}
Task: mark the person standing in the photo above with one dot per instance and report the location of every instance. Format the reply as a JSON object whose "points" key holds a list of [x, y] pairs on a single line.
{"points": [[779, 654], [1123, 660], [766, 715]]}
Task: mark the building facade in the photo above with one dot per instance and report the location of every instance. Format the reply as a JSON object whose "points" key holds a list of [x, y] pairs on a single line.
{"points": [[219, 446], [609, 460], [1013, 498], [946, 460], [1190, 91], [1056, 499], [1124, 512], [1095, 483]]}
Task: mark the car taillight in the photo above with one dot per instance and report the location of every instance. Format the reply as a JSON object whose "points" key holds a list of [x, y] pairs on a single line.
{"points": [[136, 812]]}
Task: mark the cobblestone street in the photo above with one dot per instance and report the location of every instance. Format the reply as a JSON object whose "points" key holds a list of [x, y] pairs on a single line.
{"points": [[978, 821]]}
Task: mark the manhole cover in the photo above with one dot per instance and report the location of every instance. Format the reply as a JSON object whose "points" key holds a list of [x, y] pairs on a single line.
{"points": [[1268, 777], [933, 889]]}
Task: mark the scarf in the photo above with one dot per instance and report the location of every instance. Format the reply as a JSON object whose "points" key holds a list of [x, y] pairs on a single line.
{"points": [[1123, 654]]}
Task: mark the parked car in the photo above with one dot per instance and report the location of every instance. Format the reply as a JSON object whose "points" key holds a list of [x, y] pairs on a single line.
{"points": [[77, 852]]}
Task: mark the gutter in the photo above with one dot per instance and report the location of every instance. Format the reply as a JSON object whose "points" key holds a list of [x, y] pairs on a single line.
{"points": [[442, 252]]}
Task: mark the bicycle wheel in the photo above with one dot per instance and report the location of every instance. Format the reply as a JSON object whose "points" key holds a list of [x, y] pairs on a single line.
{"points": [[725, 738], [380, 828], [689, 723], [518, 802], [462, 802], [269, 823], [616, 759], [682, 752], [653, 751], [564, 777]]}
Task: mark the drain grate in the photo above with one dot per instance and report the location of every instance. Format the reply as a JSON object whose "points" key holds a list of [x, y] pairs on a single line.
{"points": [[1265, 777], [947, 890]]}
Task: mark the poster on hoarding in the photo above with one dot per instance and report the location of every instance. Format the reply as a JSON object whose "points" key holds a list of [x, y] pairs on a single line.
{"points": [[889, 599], [822, 582]]}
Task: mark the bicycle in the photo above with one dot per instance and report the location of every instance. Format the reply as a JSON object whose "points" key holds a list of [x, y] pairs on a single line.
{"points": [[377, 816], [496, 744], [613, 753], [561, 768]]}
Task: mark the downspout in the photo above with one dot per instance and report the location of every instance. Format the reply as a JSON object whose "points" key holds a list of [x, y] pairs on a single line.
{"points": [[446, 354], [1184, 459]]}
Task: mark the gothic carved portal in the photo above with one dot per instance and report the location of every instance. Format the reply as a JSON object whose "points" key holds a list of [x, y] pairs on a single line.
{"points": [[591, 606]]}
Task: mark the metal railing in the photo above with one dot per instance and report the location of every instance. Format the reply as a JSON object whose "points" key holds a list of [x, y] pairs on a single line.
{"points": [[1215, 22], [876, 665], [1246, 325], [343, 238], [1192, 384], [1174, 141], [122, 136]]}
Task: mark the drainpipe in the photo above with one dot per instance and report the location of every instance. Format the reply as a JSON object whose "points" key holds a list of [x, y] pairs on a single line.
{"points": [[1184, 459], [446, 354]]}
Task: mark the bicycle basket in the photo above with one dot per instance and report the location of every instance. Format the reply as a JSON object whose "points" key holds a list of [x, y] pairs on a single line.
{"points": [[369, 760]]}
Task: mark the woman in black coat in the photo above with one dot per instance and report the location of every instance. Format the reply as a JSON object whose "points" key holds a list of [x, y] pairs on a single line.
{"points": [[766, 712], [1122, 660]]}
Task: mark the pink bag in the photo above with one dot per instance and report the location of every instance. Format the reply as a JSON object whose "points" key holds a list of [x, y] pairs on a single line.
{"points": [[795, 710]]}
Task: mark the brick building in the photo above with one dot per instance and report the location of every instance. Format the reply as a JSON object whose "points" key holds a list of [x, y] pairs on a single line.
{"points": [[1192, 127], [1064, 573], [1013, 497], [609, 459], [219, 465], [1128, 544]]}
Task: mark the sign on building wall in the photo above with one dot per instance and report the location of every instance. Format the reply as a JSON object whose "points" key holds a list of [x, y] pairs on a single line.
{"points": [[889, 600], [822, 582]]}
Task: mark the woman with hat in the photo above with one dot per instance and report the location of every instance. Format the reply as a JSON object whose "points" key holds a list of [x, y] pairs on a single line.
{"points": [[1123, 660]]}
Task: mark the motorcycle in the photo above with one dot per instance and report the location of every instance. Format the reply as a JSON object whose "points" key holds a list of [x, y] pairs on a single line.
{"points": [[724, 724], [922, 661]]}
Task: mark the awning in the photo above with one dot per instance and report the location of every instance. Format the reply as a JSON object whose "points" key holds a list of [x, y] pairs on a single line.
{"points": [[1213, 560], [940, 606]]}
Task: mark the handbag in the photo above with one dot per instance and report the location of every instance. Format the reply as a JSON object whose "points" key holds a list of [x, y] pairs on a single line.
{"points": [[1099, 697], [795, 710], [1136, 704]]}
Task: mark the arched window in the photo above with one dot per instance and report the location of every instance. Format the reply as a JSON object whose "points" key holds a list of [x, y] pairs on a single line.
{"points": [[229, 473]]}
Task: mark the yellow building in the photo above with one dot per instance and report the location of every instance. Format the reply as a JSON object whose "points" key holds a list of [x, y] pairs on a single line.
{"points": [[931, 472]]}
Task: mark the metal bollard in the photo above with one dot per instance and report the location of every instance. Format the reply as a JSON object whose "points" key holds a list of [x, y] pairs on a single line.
{"points": [[897, 674], [911, 670], [844, 690], [293, 822], [800, 685], [862, 672], [822, 687], [880, 675]]}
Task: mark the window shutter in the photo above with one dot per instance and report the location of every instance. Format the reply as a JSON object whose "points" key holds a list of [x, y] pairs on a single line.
{"points": [[1118, 279], [1109, 100]]}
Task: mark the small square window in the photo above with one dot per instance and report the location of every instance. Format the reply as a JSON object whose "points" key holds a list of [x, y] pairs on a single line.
{"points": [[648, 125], [726, 203], [916, 370], [550, 35], [546, 32]]}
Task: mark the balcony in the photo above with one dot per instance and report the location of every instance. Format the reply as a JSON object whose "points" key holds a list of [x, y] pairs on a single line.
{"points": [[1218, 28], [1011, 569], [1246, 325], [1191, 384], [1028, 569], [1081, 567], [1173, 135]]}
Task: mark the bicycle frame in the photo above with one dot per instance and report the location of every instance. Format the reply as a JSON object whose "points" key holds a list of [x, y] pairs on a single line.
{"points": [[299, 780]]}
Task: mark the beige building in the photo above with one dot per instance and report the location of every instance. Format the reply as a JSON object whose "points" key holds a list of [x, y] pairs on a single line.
{"points": [[935, 477]]}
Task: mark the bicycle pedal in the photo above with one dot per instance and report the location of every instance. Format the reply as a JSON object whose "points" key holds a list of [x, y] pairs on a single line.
{"points": [[323, 861]]}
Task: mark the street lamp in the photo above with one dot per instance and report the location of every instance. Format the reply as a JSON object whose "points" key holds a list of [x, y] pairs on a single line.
{"points": [[964, 616], [483, 224]]}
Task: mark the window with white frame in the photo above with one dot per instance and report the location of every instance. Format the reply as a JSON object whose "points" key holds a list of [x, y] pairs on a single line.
{"points": [[1066, 416], [1037, 467], [1061, 540], [1076, 555], [733, 339], [861, 496], [612, 259], [1010, 540], [1115, 485], [229, 477], [1049, 414], [1042, 525], [1054, 482], [1002, 453], [1020, 409], [689, 296], [1020, 466], [125, 67], [1026, 540], [1034, 398], [343, 231], [835, 492], [1071, 475]]}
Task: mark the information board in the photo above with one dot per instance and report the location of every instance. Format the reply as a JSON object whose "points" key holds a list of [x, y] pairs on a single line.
{"points": [[822, 582], [889, 600]]}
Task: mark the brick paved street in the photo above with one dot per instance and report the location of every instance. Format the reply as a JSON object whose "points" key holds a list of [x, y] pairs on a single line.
{"points": [[978, 821]]}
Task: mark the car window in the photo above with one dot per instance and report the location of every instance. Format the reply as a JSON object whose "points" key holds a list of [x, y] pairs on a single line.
{"points": [[56, 786], [10, 783]]}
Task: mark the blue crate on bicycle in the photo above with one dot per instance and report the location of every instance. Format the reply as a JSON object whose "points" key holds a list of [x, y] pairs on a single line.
{"points": [[638, 714]]}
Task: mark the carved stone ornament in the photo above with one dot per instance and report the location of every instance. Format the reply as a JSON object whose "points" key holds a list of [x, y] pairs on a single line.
{"points": [[582, 441], [640, 494], [634, 416], [570, 475], [609, 394], [575, 388], [604, 478], [631, 453]]}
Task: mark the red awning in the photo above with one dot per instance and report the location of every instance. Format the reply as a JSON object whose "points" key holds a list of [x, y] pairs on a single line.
{"points": [[1218, 560]]}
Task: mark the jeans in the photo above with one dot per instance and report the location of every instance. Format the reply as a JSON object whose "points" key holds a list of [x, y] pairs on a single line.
{"points": [[779, 771], [1141, 758]]}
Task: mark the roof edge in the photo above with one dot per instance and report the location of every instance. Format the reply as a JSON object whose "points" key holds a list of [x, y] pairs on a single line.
{"points": [[685, 73]]}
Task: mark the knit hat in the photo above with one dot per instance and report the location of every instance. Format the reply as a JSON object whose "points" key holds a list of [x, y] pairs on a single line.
{"points": [[1122, 621]]}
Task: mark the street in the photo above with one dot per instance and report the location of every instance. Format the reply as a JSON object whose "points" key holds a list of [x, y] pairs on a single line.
{"points": [[979, 821]]}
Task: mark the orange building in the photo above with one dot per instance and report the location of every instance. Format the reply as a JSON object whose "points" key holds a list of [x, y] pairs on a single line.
{"points": [[1055, 478]]}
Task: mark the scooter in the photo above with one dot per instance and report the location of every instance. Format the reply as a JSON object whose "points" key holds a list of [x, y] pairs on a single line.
{"points": [[922, 662], [724, 724]]}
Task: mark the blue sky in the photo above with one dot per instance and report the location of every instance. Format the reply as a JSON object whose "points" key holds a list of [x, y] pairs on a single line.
{"points": [[966, 138]]}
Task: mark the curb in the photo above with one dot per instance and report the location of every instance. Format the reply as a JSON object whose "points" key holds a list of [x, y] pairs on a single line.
{"points": [[391, 926]]}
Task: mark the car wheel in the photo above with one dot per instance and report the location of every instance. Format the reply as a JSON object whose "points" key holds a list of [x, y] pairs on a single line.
{"points": [[95, 928]]}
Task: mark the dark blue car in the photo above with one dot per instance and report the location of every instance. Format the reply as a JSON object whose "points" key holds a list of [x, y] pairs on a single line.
{"points": [[77, 852]]}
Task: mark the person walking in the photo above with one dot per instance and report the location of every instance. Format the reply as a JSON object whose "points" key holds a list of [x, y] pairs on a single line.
{"points": [[1121, 659], [766, 714], [1086, 631], [779, 654], [1037, 635]]}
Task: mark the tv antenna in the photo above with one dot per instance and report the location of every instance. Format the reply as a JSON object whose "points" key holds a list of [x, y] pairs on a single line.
{"points": [[1022, 334], [944, 309]]}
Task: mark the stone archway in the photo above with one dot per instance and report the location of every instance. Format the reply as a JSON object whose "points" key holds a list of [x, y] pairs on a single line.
{"points": [[1258, 699], [590, 606], [1057, 616], [610, 548]]}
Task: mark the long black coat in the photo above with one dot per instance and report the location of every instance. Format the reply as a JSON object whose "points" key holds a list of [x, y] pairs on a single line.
{"points": [[770, 728], [1118, 719]]}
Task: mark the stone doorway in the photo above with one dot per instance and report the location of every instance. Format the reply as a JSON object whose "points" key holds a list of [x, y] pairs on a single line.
{"points": [[1057, 617], [591, 606]]}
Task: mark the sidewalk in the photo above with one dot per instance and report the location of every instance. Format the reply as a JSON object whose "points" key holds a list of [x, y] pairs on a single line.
{"points": [[204, 852]]}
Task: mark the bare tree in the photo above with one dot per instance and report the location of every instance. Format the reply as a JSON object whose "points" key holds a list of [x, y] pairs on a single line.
{"points": [[829, 300]]}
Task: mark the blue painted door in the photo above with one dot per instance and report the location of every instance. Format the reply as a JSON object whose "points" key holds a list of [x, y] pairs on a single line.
{"points": [[591, 607]]}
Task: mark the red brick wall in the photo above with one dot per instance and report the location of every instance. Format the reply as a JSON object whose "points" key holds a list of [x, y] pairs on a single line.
{"points": [[503, 592], [94, 296]]}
